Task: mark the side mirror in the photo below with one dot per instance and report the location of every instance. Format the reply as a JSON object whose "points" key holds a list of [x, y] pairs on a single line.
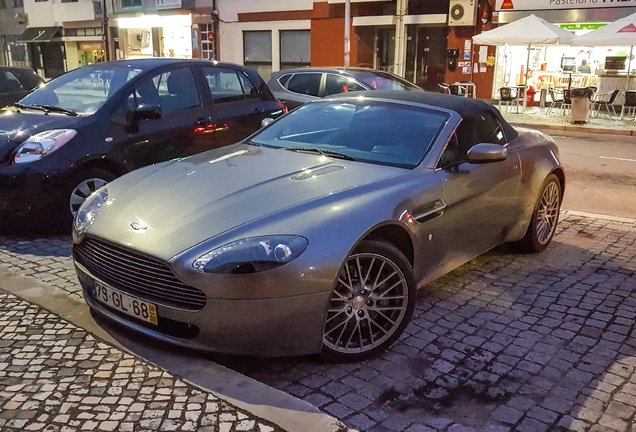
{"points": [[144, 111], [487, 153], [266, 121]]}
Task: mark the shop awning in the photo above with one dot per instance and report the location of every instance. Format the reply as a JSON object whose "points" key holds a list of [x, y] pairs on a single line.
{"points": [[530, 30], [41, 34], [618, 33]]}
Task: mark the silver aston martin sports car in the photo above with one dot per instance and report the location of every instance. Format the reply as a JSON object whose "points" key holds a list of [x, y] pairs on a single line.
{"points": [[313, 234]]}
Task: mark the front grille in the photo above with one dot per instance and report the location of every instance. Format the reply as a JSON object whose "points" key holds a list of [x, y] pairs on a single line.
{"points": [[136, 274]]}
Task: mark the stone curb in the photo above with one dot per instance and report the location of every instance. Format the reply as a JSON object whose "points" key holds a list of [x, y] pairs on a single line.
{"points": [[574, 128], [268, 403], [599, 216]]}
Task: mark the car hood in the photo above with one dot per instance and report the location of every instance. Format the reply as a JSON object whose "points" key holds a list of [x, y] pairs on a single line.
{"points": [[188, 201], [15, 127]]}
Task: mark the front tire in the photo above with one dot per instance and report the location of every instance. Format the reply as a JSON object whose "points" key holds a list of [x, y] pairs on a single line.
{"points": [[371, 305], [83, 185], [544, 218]]}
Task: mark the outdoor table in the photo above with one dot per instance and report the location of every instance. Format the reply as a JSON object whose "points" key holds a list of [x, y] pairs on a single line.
{"points": [[465, 89]]}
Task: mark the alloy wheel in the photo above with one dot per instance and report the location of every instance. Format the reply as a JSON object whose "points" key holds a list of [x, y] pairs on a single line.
{"points": [[83, 191], [548, 213], [368, 304]]}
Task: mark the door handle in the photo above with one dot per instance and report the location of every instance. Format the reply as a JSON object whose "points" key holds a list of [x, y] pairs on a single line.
{"points": [[257, 111]]}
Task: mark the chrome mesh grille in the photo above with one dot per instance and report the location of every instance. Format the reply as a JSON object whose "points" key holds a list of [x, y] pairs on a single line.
{"points": [[137, 274]]}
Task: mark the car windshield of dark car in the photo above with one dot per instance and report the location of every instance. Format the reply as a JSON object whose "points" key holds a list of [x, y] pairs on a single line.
{"points": [[375, 132], [83, 90], [384, 81]]}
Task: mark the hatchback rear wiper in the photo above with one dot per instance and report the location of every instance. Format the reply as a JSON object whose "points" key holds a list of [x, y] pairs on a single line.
{"points": [[328, 153], [57, 109]]}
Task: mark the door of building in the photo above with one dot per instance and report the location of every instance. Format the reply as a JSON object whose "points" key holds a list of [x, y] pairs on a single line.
{"points": [[384, 48], [426, 55]]}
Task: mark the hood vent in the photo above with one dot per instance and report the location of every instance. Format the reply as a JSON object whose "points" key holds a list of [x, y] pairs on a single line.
{"points": [[308, 174]]}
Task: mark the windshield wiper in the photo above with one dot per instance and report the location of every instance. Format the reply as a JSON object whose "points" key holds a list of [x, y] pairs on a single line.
{"points": [[35, 107], [57, 109], [328, 153], [46, 109]]}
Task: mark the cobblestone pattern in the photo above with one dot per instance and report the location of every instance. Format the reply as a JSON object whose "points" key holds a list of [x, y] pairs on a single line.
{"points": [[56, 377], [45, 259], [507, 342]]}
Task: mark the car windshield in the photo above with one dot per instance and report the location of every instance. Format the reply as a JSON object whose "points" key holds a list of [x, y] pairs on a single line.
{"points": [[83, 90], [384, 81], [383, 133]]}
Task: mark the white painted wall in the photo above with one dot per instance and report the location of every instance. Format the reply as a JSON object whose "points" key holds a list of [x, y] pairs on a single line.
{"points": [[229, 9], [231, 31], [53, 13], [232, 38]]}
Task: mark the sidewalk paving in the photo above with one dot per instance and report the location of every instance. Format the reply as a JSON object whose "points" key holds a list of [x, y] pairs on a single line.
{"points": [[538, 118], [55, 376], [508, 342]]}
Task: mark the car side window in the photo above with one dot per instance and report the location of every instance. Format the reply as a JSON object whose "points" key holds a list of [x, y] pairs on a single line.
{"points": [[449, 155], [249, 90], [284, 79], [9, 83], [476, 128], [341, 84], [224, 84], [305, 83], [174, 91]]}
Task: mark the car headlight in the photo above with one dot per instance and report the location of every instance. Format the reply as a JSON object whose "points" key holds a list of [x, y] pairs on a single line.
{"points": [[89, 210], [251, 255], [42, 144]]}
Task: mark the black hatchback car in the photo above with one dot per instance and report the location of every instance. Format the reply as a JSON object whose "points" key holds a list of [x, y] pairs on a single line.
{"points": [[295, 87], [15, 83], [85, 128]]}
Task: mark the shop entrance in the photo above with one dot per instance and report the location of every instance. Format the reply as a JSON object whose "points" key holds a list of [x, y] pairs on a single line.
{"points": [[426, 55], [385, 49]]}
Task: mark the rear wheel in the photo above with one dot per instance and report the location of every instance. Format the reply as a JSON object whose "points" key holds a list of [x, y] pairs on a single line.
{"points": [[371, 305], [544, 218]]}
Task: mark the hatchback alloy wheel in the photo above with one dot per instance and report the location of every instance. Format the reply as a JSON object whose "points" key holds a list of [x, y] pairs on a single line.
{"points": [[82, 191]]}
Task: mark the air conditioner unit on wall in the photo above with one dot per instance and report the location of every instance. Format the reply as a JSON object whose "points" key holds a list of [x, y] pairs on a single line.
{"points": [[462, 13]]}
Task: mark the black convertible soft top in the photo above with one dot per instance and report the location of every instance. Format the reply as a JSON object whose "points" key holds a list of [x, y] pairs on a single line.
{"points": [[461, 105]]}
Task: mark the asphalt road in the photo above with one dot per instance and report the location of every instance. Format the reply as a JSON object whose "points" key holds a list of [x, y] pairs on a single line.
{"points": [[600, 173]]}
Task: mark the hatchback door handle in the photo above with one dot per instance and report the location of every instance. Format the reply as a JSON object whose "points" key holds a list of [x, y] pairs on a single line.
{"points": [[257, 111]]}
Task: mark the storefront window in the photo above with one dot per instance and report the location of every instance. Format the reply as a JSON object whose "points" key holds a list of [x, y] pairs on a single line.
{"points": [[257, 50], [295, 49]]}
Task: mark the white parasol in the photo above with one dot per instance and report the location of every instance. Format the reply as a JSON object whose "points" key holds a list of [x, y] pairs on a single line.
{"points": [[618, 33], [530, 31]]}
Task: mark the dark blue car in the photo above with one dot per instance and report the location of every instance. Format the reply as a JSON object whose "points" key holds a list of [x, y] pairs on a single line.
{"points": [[83, 129]]}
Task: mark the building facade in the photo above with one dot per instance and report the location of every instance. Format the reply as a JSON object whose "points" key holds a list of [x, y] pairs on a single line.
{"points": [[62, 35], [12, 25], [417, 39]]}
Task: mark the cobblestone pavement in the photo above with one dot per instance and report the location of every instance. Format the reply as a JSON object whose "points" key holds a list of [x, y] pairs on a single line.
{"points": [[507, 342], [56, 377]]}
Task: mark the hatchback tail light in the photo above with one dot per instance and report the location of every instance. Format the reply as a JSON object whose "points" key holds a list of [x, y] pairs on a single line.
{"points": [[283, 107]]}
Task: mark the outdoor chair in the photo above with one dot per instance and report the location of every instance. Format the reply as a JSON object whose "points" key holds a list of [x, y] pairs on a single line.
{"points": [[444, 88], [508, 96], [564, 102], [599, 104], [630, 104]]}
